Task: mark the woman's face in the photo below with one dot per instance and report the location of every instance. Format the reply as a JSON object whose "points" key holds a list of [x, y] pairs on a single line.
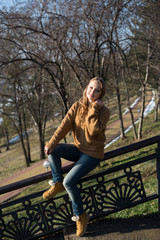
{"points": [[93, 91]]}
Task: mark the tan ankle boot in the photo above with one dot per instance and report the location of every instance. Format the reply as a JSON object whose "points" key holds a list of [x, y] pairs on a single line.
{"points": [[81, 224], [56, 188]]}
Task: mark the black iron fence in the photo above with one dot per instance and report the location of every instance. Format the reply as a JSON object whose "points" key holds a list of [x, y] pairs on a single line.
{"points": [[30, 217]]}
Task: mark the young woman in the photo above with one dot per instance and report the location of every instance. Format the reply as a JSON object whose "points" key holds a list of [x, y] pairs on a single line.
{"points": [[87, 119]]}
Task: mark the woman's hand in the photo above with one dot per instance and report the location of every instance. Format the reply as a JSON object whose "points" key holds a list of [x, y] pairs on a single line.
{"points": [[47, 151], [99, 102]]}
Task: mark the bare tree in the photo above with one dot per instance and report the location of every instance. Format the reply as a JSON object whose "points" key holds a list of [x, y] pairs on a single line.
{"points": [[12, 108], [58, 46]]}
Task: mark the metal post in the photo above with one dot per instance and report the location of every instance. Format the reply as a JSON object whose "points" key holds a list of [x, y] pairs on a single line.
{"points": [[158, 174]]}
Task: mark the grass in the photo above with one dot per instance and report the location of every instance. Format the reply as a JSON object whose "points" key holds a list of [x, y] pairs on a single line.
{"points": [[12, 161], [148, 172]]}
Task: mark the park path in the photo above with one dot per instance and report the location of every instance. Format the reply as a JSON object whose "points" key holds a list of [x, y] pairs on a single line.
{"points": [[112, 132]]}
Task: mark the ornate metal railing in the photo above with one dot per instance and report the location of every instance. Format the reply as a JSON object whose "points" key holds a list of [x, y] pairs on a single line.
{"points": [[30, 217]]}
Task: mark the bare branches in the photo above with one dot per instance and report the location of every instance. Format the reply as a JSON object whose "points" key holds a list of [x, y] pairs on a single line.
{"points": [[52, 48]]}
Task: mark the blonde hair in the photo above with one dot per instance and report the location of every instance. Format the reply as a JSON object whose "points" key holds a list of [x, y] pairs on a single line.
{"points": [[83, 109]]}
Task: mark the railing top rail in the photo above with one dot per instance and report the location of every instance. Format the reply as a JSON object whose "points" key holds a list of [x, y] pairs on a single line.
{"points": [[66, 168], [132, 147]]}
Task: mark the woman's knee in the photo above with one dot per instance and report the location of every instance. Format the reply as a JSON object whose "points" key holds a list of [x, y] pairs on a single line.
{"points": [[67, 183], [51, 158], [55, 153]]}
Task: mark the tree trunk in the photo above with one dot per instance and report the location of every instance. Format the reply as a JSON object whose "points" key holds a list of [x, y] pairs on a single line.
{"points": [[120, 113], [143, 89], [20, 133], [41, 141], [129, 108], [5, 131], [141, 112], [27, 138], [157, 101], [118, 98], [24, 151]]}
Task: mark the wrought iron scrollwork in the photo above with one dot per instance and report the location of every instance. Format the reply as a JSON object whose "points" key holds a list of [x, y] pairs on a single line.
{"points": [[117, 193], [20, 228], [101, 196]]}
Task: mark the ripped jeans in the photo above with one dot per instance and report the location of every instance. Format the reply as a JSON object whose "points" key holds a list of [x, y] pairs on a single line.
{"points": [[83, 165]]}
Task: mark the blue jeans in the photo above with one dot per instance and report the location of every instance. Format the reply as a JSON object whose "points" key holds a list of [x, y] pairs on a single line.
{"points": [[84, 164]]}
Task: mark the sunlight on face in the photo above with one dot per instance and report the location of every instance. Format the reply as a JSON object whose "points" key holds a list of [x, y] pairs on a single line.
{"points": [[93, 91]]}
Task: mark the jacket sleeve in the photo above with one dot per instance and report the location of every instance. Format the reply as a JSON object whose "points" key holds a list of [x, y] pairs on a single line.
{"points": [[64, 127], [97, 119]]}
